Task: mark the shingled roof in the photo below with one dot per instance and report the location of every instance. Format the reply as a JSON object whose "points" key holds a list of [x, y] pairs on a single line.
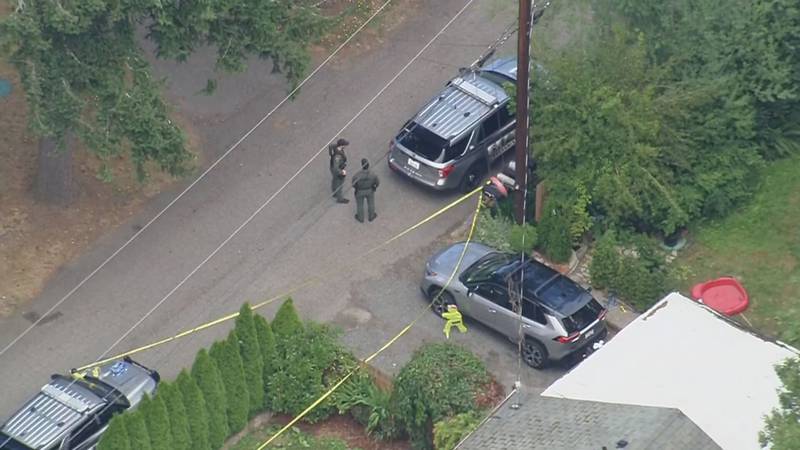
{"points": [[554, 423]]}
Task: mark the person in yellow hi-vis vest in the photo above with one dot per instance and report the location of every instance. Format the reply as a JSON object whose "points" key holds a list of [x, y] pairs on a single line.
{"points": [[453, 317]]}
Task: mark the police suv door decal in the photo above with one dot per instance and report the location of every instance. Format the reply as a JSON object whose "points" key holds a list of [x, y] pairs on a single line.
{"points": [[501, 145]]}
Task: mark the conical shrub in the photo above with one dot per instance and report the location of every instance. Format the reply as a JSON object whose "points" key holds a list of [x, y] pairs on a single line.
{"points": [[157, 421], [116, 436], [226, 355], [266, 342], [196, 410], [138, 437], [178, 420], [286, 325], [206, 374], [252, 360]]}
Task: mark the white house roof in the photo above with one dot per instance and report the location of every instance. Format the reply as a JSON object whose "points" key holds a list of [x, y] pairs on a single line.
{"points": [[683, 355]]}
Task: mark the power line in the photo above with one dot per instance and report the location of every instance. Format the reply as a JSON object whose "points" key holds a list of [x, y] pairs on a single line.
{"points": [[188, 188]]}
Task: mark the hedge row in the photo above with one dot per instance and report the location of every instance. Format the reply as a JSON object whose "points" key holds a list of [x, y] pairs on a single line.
{"points": [[281, 367]]}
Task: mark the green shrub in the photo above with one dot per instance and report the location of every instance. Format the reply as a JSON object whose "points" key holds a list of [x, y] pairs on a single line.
{"points": [[638, 275], [178, 420], [157, 421], [441, 380], [493, 231], [606, 261], [368, 404], [266, 342], [312, 362], [252, 358], [196, 409], [554, 236], [138, 437], [286, 325], [522, 239], [116, 436], [229, 361], [447, 433], [206, 373]]}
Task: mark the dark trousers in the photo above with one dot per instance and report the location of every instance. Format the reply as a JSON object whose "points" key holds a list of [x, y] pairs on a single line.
{"points": [[369, 196], [337, 186]]}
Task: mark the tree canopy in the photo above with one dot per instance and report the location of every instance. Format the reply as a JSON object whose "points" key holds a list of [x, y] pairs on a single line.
{"points": [[782, 430], [83, 69]]}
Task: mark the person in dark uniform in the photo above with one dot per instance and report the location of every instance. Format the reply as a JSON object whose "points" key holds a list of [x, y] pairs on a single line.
{"points": [[338, 173], [365, 184]]}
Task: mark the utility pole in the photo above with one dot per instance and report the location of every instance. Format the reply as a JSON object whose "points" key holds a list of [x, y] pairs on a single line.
{"points": [[521, 134]]}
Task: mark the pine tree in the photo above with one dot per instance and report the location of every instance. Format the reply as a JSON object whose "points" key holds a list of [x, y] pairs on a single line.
{"points": [[138, 436], [286, 324], [251, 358], [208, 378], [178, 419], [196, 409], [266, 342], [157, 420], [226, 355], [116, 436]]}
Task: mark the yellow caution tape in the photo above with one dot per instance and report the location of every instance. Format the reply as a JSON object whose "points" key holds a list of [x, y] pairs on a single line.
{"points": [[390, 342], [304, 284]]}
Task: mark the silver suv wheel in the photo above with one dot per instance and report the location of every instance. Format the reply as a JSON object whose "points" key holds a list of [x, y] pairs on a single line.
{"points": [[534, 354]]}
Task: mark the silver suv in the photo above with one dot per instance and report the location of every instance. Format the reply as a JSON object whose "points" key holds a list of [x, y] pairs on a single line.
{"points": [[72, 412], [453, 140], [559, 317]]}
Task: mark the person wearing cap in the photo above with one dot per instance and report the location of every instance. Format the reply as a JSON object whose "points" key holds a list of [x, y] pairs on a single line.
{"points": [[365, 183], [338, 173]]}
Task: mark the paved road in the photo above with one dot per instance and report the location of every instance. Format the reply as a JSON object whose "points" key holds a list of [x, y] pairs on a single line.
{"points": [[299, 234]]}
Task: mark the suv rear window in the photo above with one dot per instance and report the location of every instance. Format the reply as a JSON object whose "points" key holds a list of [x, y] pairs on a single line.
{"points": [[583, 317], [422, 142]]}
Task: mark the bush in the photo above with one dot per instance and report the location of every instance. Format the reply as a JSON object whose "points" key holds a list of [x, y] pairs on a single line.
{"points": [[138, 437], [178, 421], [449, 432], [116, 436], [266, 342], [494, 231], [606, 261], [252, 359], [312, 362], [554, 236], [368, 404], [196, 409], [441, 380], [206, 373], [229, 361], [522, 239], [286, 325], [157, 421], [638, 275]]}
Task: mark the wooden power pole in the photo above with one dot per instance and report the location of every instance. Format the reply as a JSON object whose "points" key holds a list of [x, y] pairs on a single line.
{"points": [[521, 135]]}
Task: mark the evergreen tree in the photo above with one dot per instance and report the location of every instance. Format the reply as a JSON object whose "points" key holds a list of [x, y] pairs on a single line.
{"points": [[208, 378], [226, 354], [266, 342], [84, 71], [116, 436], [178, 419], [196, 410], [286, 324], [138, 436], [782, 430], [251, 358], [157, 420]]}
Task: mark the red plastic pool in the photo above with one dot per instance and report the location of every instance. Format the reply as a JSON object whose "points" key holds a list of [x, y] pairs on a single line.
{"points": [[725, 295]]}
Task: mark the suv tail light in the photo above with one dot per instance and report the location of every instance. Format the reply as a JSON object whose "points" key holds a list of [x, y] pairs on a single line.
{"points": [[445, 171], [567, 339], [602, 314]]}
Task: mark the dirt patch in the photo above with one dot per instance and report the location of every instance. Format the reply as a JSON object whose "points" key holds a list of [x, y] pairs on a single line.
{"points": [[37, 239], [348, 430], [490, 395]]}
